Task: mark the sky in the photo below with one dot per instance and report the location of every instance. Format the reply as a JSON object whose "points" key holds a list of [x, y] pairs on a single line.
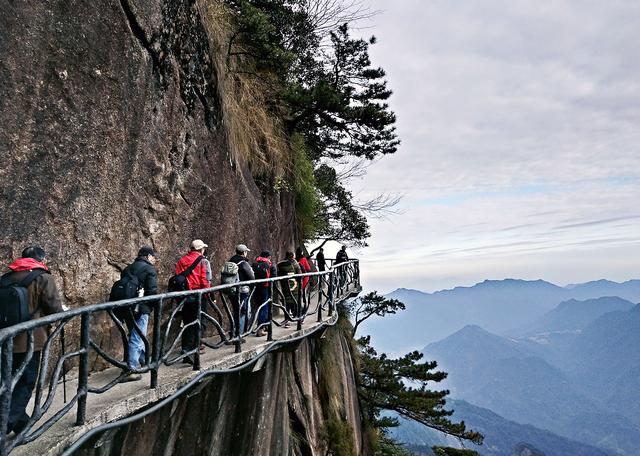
{"points": [[520, 154]]}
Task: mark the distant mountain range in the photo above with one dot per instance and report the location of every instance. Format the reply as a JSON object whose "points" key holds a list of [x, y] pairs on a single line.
{"points": [[573, 315], [502, 437], [500, 306], [585, 386]]}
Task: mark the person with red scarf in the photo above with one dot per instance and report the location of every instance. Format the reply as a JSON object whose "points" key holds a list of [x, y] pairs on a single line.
{"points": [[196, 281], [43, 299], [263, 268], [304, 265]]}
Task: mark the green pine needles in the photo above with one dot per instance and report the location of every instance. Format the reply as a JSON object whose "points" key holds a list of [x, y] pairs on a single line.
{"points": [[326, 93]]}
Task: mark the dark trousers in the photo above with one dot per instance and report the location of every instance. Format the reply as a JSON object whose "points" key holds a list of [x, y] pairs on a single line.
{"points": [[262, 295], [18, 417], [190, 314]]}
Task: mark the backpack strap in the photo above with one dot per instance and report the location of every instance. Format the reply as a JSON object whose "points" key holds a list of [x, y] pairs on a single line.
{"points": [[5, 280], [31, 277], [190, 269]]}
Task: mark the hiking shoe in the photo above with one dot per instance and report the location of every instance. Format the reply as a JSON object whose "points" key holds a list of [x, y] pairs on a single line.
{"points": [[131, 378], [188, 360], [260, 333]]}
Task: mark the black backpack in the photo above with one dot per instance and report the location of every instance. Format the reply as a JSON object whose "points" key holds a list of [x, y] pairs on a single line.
{"points": [[179, 281], [125, 288], [14, 299], [262, 270]]}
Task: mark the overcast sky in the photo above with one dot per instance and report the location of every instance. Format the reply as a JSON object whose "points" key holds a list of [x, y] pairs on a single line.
{"points": [[520, 155]]}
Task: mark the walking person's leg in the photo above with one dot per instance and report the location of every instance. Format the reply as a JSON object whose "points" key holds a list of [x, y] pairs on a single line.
{"points": [[190, 334], [18, 417], [263, 313], [244, 311], [136, 344]]}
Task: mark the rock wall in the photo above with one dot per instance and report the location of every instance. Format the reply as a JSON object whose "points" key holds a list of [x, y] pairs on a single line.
{"points": [[289, 407], [111, 138]]}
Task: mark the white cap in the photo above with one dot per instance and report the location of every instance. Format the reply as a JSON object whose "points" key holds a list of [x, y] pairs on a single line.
{"points": [[241, 248], [198, 244]]}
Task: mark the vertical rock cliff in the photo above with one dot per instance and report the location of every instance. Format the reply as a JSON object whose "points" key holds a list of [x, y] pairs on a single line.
{"points": [[301, 402], [112, 137]]}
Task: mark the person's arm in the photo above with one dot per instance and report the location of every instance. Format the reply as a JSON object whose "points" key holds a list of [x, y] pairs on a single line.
{"points": [[151, 282], [249, 274], [202, 273], [49, 298]]}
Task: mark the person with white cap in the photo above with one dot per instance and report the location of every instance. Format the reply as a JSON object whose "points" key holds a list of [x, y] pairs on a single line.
{"points": [[245, 272], [196, 280]]}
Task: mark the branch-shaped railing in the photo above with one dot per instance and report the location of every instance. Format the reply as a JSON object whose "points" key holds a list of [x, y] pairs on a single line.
{"points": [[287, 300]]}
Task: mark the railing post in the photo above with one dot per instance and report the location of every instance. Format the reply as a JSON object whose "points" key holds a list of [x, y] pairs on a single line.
{"points": [[6, 365], [270, 313], [319, 291], [156, 349], [299, 304], [331, 291], [236, 323], [196, 355], [83, 370]]}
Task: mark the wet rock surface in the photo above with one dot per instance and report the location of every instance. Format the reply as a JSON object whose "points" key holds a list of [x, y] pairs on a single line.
{"points": [[111, 137]]}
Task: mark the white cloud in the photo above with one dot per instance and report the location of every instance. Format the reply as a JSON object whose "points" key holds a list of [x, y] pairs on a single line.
{"points": [[521, 147]]}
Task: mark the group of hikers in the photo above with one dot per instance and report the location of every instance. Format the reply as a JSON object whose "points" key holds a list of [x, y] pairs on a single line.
{"points": [[29, 291]]}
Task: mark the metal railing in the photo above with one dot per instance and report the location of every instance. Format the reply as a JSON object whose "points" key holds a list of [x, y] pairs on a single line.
{"points": [[287, 299]]}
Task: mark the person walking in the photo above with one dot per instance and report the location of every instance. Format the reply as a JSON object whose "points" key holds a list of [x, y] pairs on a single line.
{"points": [[289, 266], [320, 261], [196, 280], [244, 273], [144, 271], [342, 257], [263, 268], [30, 272], [304, 266]]}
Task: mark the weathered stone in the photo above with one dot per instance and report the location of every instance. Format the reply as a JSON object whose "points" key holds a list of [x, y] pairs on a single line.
{"points": [[111, 138]]}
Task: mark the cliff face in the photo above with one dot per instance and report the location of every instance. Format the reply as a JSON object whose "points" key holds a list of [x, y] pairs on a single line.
{"points": [[112, 138], [298, 403]]}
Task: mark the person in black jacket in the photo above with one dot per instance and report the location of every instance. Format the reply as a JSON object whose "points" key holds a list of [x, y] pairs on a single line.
{"points": [[143, 268], [321, 262], [245, 272], [342, 257], [263, 268]]}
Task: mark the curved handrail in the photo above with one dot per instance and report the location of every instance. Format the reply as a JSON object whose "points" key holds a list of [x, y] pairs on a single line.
{"points": [[218, 308]]}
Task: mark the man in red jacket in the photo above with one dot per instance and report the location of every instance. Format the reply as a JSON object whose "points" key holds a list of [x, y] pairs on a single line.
{"points": [[44, 299], [196, 281]]}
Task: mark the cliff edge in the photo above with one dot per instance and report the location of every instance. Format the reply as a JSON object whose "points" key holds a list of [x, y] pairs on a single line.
{"points": [[301, 401]]}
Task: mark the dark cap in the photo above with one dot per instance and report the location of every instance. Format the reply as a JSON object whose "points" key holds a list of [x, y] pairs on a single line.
{"points": [[146, 251], [265, 254]]}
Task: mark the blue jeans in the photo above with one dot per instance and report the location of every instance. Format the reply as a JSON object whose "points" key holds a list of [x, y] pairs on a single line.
{"points": [[136, 345], [245, 311], [262, 295]]}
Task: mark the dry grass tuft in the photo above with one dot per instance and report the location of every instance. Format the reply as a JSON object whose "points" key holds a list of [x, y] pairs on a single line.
{"points": [[255, 135]]}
